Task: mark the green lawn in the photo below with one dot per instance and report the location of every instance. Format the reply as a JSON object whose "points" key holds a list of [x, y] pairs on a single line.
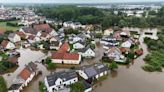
{"points": [[3, 25]]}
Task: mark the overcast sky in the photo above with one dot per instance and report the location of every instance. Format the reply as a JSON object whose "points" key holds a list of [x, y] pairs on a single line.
{"points": [[72, 1]]}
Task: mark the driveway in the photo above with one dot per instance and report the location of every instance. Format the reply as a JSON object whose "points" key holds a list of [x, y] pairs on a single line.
{"points": [[26, 56]]}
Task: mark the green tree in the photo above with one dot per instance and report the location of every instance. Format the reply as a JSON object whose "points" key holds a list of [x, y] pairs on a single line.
{"points": [[77, 87], [3, 87], [113, 65]]}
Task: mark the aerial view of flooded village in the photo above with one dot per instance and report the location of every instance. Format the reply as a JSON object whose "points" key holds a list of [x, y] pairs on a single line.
{"points": [[81, 45]]}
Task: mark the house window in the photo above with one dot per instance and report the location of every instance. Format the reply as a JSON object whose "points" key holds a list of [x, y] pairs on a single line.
{"points": [[53, 89]]}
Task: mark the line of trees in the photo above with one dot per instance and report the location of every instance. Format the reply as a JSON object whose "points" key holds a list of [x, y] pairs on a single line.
{"points": [[107, 18]]}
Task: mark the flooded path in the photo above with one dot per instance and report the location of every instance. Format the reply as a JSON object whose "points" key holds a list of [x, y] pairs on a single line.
{"points": [[127, 78], [133, 78]]}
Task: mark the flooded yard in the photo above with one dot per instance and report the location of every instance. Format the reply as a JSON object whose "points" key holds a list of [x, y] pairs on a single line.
{"points": [[26, 56], [126, 79], [133, 78]]}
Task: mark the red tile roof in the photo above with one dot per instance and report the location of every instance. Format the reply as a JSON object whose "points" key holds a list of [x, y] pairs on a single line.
{"points": [[64, 48], [4, 43], [65, 56], [42, 27], [56, 55], [123, 50], [71, 56], [25, 74], [139, 51]]}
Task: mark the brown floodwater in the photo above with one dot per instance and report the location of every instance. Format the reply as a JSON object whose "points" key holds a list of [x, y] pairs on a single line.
{"points": [[133, 78], [130, 78]]}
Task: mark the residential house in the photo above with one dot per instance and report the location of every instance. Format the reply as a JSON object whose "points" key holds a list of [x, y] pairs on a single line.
{"points": [[59, 80], [150, 33], [66, 58], [79, 45], [117, 35], [68, 24], [13, 37], [24, 77], [87, 52], [64, 48], [28, 31], [55, 45], [22, 35], [91, 72], [108, 32], [127, 44], [76, 38], [7, 45], [125, 33], [115, 54], [109, 41], [33, 39]]}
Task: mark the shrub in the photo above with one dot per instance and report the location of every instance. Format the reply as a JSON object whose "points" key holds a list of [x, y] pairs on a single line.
{"points": [[77, 87], [3, 87]]}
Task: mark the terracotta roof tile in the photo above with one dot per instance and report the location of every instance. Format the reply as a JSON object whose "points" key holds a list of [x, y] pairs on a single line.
{"points": [[56, 55], [64, 48], [71, 56], [65, 56], [25, 74], [42, 27]]}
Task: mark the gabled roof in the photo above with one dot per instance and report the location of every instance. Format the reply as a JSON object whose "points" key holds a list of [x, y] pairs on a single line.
{"points": [[64, 48], [64, 75], [29, 30], [28, 70], [71, 56], [113, 50], [4, 43], [21, 34], [90, 72], [25, 74], [93, 70], [11, 35], [65, 56], [57, 55], [42, 27], [83, 43], [84, 49]]}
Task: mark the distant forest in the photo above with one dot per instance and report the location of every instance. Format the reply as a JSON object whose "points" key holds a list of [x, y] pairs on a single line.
{"points": [[105, 17]]}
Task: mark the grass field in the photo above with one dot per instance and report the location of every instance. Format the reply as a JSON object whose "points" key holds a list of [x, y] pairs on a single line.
{"points": [[12, 28]]}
